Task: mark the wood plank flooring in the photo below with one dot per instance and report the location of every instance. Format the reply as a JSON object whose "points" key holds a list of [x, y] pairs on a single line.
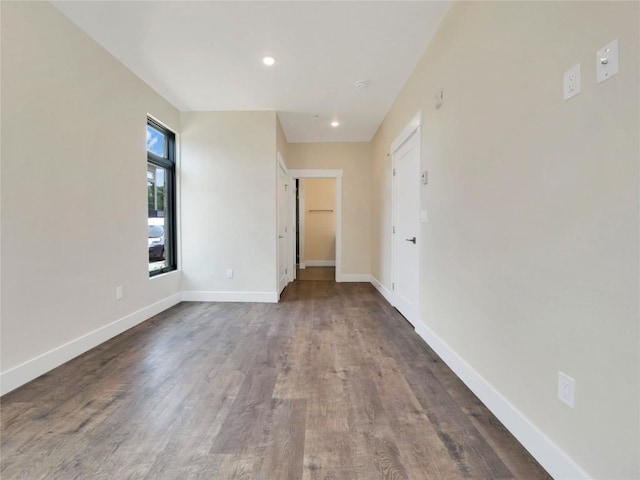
{"points": [[316, 273], [331, 383]]}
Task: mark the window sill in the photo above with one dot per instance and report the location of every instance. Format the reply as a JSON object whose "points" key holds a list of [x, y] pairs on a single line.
{"points": [[165, 274]]}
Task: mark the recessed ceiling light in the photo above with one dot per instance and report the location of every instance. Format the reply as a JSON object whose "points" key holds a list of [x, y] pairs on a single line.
{"points": [[335, 124], [269, 60], [361, 84]]}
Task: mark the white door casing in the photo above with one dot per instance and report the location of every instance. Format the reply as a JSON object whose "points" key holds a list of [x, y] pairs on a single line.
{"points": [[406, 162]]}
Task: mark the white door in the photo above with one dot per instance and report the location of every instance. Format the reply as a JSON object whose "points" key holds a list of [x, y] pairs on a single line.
{"points": [[406, 214], [283, 227]]}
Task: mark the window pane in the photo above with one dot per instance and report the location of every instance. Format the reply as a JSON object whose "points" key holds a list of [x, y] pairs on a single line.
{"points": [[161, 199], [156, 188], [156, 142], [156, 199]]}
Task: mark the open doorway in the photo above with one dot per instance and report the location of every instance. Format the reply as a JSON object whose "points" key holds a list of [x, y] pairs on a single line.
{"points": [[318, 221], [316, 232]]}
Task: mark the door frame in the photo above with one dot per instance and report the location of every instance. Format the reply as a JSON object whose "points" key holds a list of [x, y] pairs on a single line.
{"points": [[301, 174], [413, 127]]}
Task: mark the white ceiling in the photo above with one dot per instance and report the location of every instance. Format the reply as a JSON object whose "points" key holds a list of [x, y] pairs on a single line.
{"points": [[206, 55]]}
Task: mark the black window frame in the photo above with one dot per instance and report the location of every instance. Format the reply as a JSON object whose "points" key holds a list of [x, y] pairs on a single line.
{"points": [[170, 224]]}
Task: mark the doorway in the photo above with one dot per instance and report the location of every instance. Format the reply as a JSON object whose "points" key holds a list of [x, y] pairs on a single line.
{"points": [[321, 210], [317, 236]]}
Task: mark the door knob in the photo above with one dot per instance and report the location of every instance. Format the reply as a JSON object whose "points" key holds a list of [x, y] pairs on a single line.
{"points": [[412, 240], [280, 236]]}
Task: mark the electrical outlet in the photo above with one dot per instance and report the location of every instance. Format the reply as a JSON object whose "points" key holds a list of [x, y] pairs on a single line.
{"points": [[229, 273], [566, 389], [572, 82], [119, 293]]}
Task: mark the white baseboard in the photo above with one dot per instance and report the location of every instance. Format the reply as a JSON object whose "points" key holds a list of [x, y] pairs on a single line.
{"points": [[302, 265], [354, 277], [386, 293], [548, 454], [251, 297], [320, 263], [27, 371]]}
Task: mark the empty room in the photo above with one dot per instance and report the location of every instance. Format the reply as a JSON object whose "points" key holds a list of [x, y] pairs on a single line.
{"points": [[385, 240]]}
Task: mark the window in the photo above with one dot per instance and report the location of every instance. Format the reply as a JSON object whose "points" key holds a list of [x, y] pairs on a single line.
{"points": [[161, 198]]}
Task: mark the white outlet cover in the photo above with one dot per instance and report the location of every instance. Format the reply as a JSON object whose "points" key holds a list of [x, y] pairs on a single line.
{"points": [[566, 389], [607, 61], [572, 82]]}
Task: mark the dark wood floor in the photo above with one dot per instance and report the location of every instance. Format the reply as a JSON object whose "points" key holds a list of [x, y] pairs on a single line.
{"points": [[331, 383], [316, 273]]}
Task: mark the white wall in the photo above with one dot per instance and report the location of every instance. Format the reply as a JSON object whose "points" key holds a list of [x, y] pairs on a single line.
{"points": [[282, 146], [530, 257], [229, 205], [74, 212], [319, 220], [354, 159]]}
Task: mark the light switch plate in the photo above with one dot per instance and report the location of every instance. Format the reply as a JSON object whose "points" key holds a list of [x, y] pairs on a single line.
{"points": [[572, 82], [607, 61]]}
